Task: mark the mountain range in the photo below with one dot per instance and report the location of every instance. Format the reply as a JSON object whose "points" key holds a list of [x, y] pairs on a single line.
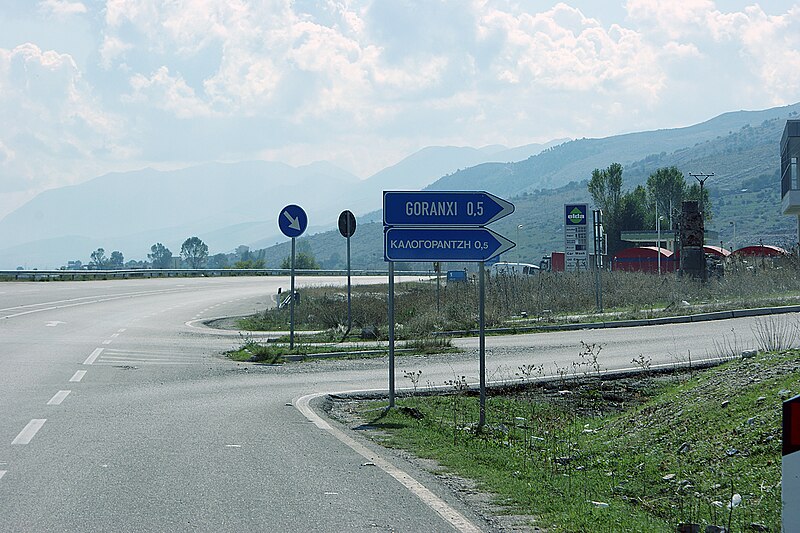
{"points": [[229, 204], [225, 204]]}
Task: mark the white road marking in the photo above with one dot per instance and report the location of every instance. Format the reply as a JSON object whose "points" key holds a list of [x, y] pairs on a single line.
{"points": [[453, 517], [93, 356], [2, 473], [59, 397], [115, 335], [64, 304], [121, 330], [133, 357], [54, 323], [108, 341], [77, 376], [27, 434]]}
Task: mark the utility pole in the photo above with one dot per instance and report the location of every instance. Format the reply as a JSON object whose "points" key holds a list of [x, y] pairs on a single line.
{"points": [[701, 179]]}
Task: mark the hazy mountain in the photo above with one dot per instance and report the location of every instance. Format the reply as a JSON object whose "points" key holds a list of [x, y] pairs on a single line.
{"points": [[225, 204], [576, 159], [130, 211], [238, 203], [741, 149]]}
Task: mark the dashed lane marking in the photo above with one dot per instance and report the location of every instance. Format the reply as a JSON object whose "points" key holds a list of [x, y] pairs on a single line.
{"points": [[2, 473], [77, 376], [30, 431], [93, 356], [59, 397]]}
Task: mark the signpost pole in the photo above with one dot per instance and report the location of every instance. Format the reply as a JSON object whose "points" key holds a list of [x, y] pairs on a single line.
{"points": [[347, 227], [482, 328], [391, 335], [291, 302], [349, 308]]}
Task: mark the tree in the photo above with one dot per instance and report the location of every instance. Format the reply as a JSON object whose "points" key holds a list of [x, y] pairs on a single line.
{"points": [[666, 189], [302, 261], [194, 252], [250, 263], [633, 209], [160, 256], [117, 260], [605, 187], [219, 260], [99, 259], [693, 193]]}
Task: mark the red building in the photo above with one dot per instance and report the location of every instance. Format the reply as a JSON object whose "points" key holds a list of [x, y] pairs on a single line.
{"points": [[644, 259]]}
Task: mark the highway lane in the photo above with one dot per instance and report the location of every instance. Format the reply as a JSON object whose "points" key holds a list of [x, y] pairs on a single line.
{"points": [[147, 428], [118, 416]]}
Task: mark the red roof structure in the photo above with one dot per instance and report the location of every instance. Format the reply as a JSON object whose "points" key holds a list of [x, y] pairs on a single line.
{"points": [[760, 250], [644, 259]]}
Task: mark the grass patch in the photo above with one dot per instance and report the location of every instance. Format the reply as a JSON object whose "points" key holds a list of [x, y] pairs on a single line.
{"points": [[639, 454], [547, 298], [274, 353]]}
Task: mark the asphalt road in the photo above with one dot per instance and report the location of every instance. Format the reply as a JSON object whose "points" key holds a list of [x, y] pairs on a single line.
{"points": [[117, 412]]}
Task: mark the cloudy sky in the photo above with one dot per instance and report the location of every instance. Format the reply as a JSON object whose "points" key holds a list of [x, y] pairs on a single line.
{"points": [[88, 87]]}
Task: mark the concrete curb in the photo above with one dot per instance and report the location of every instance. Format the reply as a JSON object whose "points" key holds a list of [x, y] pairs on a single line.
{"points": [[700, 317]]}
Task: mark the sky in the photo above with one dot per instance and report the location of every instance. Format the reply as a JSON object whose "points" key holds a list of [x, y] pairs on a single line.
{"points": [[90, 87]]}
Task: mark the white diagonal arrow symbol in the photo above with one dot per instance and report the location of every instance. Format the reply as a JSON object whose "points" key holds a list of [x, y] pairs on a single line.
{"points": [[294, 223]]}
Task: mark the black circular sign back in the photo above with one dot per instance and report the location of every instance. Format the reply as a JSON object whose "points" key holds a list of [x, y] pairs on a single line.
{"points": [[347, 224]]}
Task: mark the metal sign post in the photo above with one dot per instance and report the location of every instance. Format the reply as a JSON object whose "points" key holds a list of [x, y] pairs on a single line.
{"points": [[347, 227], [438, 226], [291, 300], [391, 334], [292, 222], [598, 258], [482, 343]]}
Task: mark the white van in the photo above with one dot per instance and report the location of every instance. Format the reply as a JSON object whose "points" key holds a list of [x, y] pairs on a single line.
{"points": [[513, 269]]}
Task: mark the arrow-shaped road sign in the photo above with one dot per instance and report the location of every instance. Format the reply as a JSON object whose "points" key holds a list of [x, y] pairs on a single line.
{"points": [[443, 244], [292, 221], [443, 208]]}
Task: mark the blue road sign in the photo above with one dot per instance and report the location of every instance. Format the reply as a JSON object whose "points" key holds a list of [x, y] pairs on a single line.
{"points": [[443, 244], [443, 208], [292, 221]]}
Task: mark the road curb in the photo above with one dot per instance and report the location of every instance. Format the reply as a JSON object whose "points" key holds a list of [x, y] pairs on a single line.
{"points": [[682, 319]]}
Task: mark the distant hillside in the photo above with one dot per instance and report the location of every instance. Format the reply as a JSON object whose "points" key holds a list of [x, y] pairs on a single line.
{"points": [[741, 149], [225, 204], [575, 160]]}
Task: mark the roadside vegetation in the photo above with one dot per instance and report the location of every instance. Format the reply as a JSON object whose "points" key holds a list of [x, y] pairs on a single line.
{"points": [[279, 352], [544, 299], [582, 452]]}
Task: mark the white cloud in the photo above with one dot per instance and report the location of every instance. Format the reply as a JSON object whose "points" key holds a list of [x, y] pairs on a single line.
{"points": [[62, 7], [169, 93], [561, 49], [51, 121], [768, 45]]}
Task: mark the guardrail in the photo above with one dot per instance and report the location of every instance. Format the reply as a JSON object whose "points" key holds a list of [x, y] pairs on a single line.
{"points": [[37, 275]]}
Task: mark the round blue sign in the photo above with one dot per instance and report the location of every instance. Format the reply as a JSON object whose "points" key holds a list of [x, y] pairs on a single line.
{"points": [[292, 221]]}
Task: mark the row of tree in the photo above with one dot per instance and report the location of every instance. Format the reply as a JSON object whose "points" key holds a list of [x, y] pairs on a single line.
{"points": [[194, 254], [662, 196]]}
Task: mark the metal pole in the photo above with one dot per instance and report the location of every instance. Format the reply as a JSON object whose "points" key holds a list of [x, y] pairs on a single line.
{"points": [[391, 334], [482, 328], [291, 301], [349, 309], [598, 258], [658, 231]]}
